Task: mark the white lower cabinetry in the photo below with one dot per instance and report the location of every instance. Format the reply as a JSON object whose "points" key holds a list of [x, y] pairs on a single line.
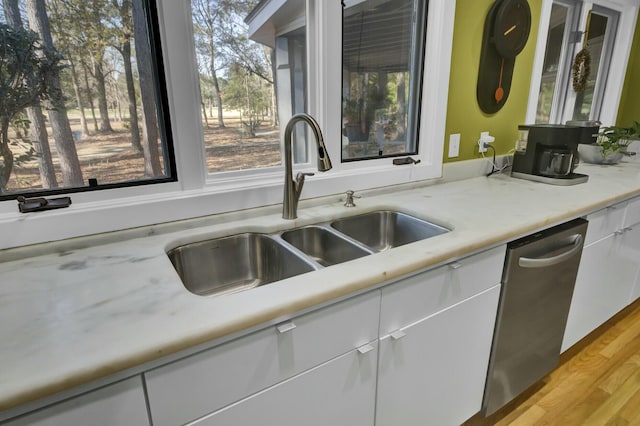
{"points": [[119, 404], [603, 286], [194, 387], [607, 279], [339, 392], [437, 329], [631, 253], [433, 372]]}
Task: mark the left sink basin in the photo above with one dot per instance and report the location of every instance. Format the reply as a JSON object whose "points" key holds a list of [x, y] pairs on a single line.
{"points": [[235, 263]]}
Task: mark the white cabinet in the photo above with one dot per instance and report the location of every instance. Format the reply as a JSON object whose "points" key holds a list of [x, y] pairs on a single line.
{"points": [[608, 273], [434, 352], [193, 387], [630, 245], [433, 372], [339, 392], [122, 403], [631, 252]]}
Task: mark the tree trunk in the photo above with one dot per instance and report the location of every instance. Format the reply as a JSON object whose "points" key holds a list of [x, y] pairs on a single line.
{"points": [[204, 112], [7, 156], [402, 107], [131, 92], [41, 145], [103, 106], [36, 118], [150, 149], [90, 97], [216, 85], [76, 91], [70, 165]]}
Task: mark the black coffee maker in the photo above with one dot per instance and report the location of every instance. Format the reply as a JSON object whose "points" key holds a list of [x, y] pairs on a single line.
{"points": [[548, 153]]}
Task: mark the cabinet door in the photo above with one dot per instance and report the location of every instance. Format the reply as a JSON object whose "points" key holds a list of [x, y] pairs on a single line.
{"points": [[603, 287], [630, 252], [339, 392], [122, 403], [433, 371]]}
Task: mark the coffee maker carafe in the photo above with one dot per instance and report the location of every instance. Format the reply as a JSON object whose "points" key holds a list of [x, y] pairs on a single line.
{"points": [[548, 153]]}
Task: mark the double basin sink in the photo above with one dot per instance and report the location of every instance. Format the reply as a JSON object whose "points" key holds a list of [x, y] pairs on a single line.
{"points": [[240, 262]]}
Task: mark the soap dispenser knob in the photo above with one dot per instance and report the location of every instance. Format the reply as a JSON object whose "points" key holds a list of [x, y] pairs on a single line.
{"points": [[349, 201]]}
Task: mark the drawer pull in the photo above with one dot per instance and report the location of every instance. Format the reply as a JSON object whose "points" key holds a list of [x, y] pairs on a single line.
{"points": [[285, 326], [398, 334], [365, 348], [455, 265]]}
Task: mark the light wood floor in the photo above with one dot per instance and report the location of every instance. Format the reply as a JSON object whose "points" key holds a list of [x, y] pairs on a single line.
{"points": [[597, 382]]}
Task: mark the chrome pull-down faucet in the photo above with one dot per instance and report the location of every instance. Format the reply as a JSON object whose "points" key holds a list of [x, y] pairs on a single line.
{"points": [[293, 188]]}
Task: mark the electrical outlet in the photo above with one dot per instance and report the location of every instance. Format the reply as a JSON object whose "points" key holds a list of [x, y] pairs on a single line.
{"points": [[484, 141], [454, 145]]}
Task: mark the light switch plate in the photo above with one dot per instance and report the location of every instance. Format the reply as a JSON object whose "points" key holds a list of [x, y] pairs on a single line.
{"points": [[454, 145]]}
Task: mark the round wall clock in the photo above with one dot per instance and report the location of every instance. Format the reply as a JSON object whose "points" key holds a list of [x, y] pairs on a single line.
{"points": [[506, 31]]}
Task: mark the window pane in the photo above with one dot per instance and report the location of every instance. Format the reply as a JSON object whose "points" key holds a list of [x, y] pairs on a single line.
{"points": [[240, 114], [382, 65], [81, 106], [557, 26], [596, 43]]}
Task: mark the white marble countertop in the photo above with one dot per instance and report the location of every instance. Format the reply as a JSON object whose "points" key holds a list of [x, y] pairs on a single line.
{"points": [[92, 308]]}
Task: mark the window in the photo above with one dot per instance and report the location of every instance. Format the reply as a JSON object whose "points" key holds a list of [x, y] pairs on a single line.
{"points": [[568, 27], [238, 86], [292, 57], [382, 55], [80, 105]]}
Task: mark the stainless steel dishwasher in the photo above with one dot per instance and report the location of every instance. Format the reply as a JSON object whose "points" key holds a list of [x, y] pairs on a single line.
{"points": [[537, 286]]}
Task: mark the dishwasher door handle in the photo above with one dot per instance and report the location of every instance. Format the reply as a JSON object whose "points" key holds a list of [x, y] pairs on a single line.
{"points": [[527, 262]]}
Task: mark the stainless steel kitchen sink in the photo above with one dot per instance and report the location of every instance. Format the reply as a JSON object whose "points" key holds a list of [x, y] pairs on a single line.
{"points": [[382, 230], [324, 246], [240, 262], [235, 263]]}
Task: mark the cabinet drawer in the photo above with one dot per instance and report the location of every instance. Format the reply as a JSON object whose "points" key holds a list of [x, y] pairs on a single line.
{"points": [[414, 298], [119, 404], [604, 222], [632, 216], [195, 386], [339, 392]]}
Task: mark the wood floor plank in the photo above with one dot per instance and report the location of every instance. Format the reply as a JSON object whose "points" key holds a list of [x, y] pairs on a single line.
{"points": [[579, 411], [609, 410], [618, 376], [629, 335], [631, 410], [530, 417]]}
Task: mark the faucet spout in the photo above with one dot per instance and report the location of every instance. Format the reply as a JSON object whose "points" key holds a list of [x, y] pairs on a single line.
{"points": [[293, 188]]}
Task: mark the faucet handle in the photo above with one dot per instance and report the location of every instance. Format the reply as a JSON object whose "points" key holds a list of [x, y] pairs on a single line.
{"points": [[301, 175], [349, 201]]}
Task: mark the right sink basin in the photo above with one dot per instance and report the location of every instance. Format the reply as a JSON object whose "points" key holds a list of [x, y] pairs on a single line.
{"points": [[383, 230]]}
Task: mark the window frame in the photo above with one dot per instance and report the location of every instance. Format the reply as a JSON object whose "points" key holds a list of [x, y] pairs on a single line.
{"points": [[608, 113], [196, 192]]}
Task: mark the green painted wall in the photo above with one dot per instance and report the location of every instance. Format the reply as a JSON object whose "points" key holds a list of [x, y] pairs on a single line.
{"points": [[629, 110], [463, 114]]}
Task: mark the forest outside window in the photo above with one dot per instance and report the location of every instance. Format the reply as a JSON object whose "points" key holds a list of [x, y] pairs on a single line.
{"points": [[249, 82], [79, 101]]}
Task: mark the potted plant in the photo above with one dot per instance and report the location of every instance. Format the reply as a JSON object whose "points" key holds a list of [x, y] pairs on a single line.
{"points": [[611, 144]]}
